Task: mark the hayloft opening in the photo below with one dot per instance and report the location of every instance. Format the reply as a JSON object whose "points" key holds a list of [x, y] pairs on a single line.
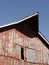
{"points": [[22, 53]]}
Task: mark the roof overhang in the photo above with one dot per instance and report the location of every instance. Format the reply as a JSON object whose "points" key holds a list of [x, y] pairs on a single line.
{"points": [[44, 40], [43, 37]]}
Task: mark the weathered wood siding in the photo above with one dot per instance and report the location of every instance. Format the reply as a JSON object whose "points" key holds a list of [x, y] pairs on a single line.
{"points": [[11, 41]]}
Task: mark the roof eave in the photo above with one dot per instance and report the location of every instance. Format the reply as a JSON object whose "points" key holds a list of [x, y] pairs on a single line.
{"points": [[43, 37]]}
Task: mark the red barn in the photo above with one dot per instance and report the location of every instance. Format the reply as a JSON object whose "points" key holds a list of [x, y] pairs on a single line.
{"points": [[21, 43]]}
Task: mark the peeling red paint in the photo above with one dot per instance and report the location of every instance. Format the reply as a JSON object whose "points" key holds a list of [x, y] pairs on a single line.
{"points": [[10, 49]]}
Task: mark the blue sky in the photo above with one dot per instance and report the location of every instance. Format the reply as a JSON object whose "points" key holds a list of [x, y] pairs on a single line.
{"points": [[13, 10]]}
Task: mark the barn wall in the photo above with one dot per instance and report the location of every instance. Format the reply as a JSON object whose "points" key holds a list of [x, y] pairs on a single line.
{"points": [[11, 41]]}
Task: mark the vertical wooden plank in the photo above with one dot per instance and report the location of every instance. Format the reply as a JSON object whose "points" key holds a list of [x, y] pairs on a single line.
{"points": [[16, 37], [20, 52], [20, 38], [38, 57], [31, 43], [17, 52], [26, 41]]}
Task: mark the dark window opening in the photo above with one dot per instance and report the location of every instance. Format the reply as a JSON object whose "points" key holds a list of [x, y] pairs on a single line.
{"points": [[22, 53]]}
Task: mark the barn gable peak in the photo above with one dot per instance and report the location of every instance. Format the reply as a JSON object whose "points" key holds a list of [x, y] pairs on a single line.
{"points": [[27, 26]]}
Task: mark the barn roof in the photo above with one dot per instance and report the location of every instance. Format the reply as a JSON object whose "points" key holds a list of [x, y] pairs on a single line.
{"points": [[24, 19], [20, 20]]}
